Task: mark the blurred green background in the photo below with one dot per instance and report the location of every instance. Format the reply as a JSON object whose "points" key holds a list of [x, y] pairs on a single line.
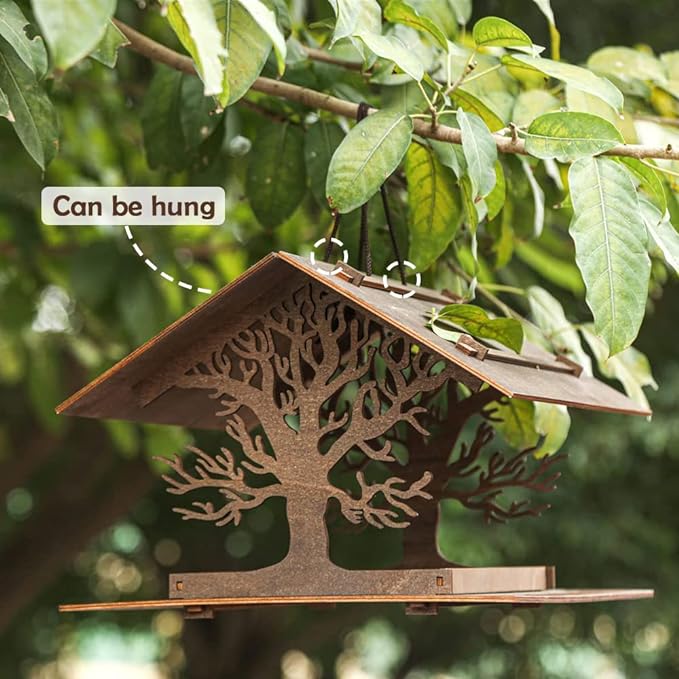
{"points": [[85, 517]]}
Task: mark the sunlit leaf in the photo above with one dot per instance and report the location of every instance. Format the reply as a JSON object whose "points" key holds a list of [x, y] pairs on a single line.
{"points": [[399, 11], [662, 233], [533, 103], [552, 422], [391, 48], [516, 423], [496, 32], [480, 152], [610, 248], [632, 69], [470, 102], [462, 10], [371, 151], [354, 16], [475, 321], [630, 367], [266, 20], [567, 136], [573, 75], [548, 314], [649, 180], [195, 24], [495, 200], [538, 198], [433, 206]]}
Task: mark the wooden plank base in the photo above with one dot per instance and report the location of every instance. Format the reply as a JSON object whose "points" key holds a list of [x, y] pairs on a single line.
{"points": [[194, 607], [282, 580]]}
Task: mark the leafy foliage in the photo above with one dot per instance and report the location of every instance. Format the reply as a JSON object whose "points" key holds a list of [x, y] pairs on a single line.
{"points": [[75, 300]]}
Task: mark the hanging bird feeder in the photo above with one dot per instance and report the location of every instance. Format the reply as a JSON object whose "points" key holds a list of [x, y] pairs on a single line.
{"points": [[302, 369]]}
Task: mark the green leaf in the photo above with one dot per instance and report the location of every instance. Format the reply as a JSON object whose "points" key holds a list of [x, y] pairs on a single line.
{"points": [[198, 113], [531, 104], [649, 180], [632, 69], [13, 29], [538, 197], [107, 50], [450, 155], [548, 314], [398, 11], [5, 111], [433, 206], [516, 423], [496, 32], [371, 151], [28, 107], [248, 47], [462, 10], [73, 29], [662, 232], [495, 200], [393, 49], [266, 20], [630, 367], [195, 24], [161, 120], [546, 8], [320, 142], [247, 44], [470, 102], [553, 423], [354, 16], [475, 321], [480, 152], [558, 271], [276, 177], [610, 248], [576, 76], [567, 136]]}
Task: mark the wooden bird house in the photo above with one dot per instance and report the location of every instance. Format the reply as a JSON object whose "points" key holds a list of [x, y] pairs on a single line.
{"points": [[304, 367]]}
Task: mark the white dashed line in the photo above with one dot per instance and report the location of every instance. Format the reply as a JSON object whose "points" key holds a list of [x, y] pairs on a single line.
{"points": [[153, 267]]}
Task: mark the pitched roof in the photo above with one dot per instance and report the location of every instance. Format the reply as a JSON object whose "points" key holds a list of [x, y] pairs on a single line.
{"points": [[129, 390]]}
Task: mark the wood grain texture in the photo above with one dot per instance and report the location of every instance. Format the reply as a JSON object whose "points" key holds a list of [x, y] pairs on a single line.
{"points": [[549, 596], [117, 393]]}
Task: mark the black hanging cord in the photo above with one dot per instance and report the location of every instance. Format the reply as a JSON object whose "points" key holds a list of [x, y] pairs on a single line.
{"points": [[392, 233], [333, 234], [365, 253], [364, 248]]}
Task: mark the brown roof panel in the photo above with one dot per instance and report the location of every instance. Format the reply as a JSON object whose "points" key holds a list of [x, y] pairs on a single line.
{"points": [[133, 389]]}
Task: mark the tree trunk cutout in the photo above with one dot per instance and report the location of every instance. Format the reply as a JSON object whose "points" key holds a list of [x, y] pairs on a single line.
{"points": [[324, 381]]}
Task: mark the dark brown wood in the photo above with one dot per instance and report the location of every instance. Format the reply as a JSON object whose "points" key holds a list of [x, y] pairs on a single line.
{"points": [[297, 360], [115, 394], [307, 372], [544, 597]]}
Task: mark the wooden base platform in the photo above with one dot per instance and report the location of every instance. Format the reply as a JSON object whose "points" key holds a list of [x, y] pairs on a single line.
{"points": [[421, 604]]}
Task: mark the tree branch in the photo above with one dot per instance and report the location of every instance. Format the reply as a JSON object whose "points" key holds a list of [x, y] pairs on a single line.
{"points": [[357, 509], [153, 50]]}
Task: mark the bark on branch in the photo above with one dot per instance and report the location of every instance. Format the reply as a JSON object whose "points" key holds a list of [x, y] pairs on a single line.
{"points": [[153, 50]]}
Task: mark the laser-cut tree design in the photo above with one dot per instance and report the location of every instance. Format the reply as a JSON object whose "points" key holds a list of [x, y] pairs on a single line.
{"points": [[459, 470], [292, 370]]}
